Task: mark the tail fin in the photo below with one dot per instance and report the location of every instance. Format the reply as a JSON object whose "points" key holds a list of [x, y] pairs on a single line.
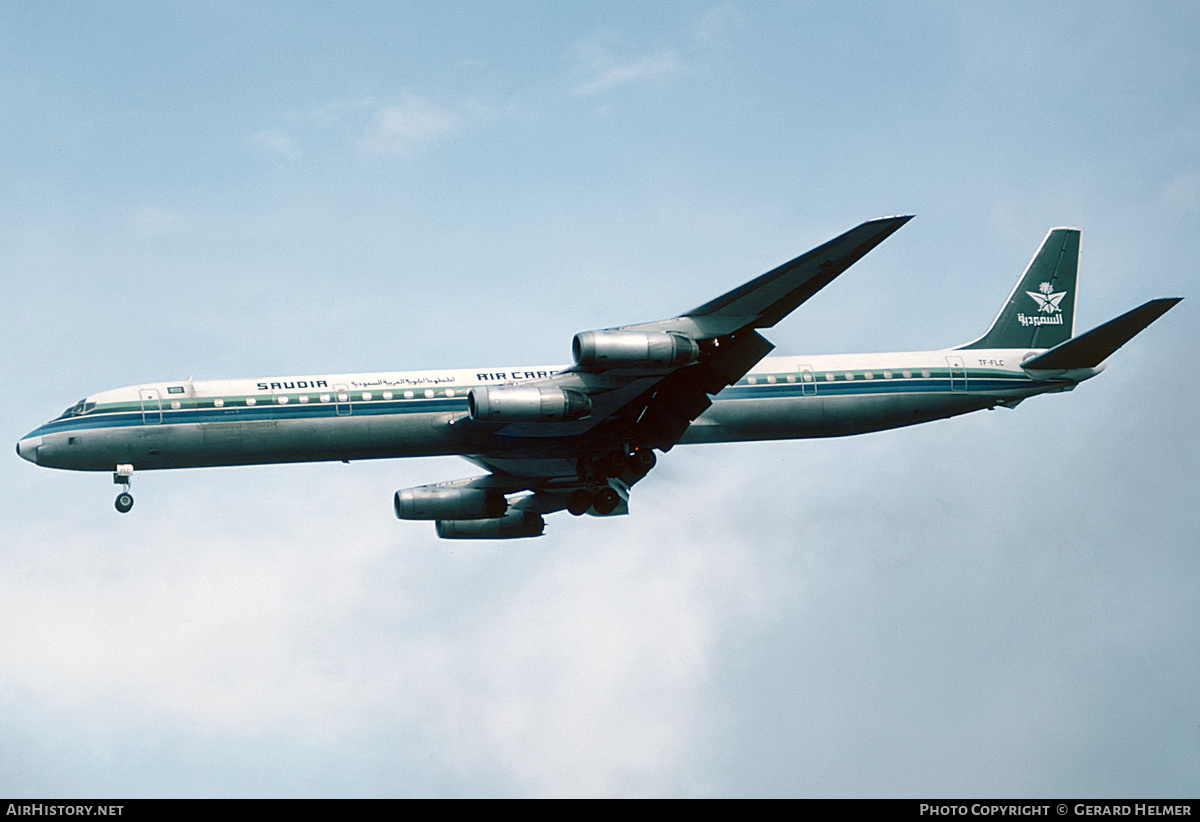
{"points": [[1040, 312]]}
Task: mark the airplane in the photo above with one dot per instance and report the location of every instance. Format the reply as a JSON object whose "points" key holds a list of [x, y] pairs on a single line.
{"points": [[577, 438]]}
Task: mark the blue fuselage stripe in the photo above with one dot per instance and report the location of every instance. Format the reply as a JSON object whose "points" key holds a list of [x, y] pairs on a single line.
{"points": [[257, 413], [267, 410]]}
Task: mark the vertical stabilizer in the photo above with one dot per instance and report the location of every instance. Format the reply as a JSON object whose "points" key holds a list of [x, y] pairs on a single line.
{"points": [[1040, 312]]}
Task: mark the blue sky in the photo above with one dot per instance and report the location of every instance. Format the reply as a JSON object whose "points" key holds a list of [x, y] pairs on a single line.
{"points": [[1004, 604]]}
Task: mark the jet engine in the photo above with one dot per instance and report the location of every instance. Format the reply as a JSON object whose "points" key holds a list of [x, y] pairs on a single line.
{"points": [[451, 502], [527, 403], [512, 525], [633, 349]]}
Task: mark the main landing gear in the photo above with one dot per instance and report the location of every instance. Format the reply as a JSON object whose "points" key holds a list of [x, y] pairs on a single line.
{"points": [[602, 500], [121, 477], [597, 495]]}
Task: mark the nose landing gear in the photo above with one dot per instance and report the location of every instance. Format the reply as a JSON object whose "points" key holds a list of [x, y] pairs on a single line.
{"points": [[124, 499]]}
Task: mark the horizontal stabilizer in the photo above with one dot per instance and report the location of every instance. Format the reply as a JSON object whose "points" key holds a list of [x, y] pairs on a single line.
{"points": [[1090, 349]]}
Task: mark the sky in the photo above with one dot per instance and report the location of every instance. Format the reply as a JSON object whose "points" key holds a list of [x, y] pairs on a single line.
{"points": [[1003, 604]]}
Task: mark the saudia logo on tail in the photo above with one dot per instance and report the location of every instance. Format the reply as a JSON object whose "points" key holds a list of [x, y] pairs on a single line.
{"points": [[1049, 311]]}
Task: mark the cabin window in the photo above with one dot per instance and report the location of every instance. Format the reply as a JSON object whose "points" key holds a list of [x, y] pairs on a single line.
{"points": [[887, 375], [429, 393], [282, 399], [907, 374], [343, 396], [302, 399], [251, 401], [219, 402], [449, 392], [175, 405], [849, 375], [324, 398], [829, 376], [868, 375], [387, 395], [408, 395], [770, 378], [806, 376], [924, 372], [366, 395], [752, 380]]}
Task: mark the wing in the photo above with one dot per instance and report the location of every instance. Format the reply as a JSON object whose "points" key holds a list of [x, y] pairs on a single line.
{"points": [[766, 300], [634, 378], [588, 433]]}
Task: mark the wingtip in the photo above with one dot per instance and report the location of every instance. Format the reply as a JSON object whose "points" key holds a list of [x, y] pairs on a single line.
{"points": [[895, 221]]}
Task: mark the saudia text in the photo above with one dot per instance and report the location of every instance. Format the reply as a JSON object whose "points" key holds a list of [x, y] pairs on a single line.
{"points": [[278, 386], [1026, 320]]}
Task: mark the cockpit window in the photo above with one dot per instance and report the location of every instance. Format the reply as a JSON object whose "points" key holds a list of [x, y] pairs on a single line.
{"points": [[78, 409]]}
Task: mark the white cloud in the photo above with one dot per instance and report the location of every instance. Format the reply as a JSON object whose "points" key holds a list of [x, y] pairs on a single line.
{"points": [[151, 221], [278, 143], [334, 112], [607, 72], [397, 130], [375, 127], [1181, 193], [551, 670], [602, 68], [716, 23]]}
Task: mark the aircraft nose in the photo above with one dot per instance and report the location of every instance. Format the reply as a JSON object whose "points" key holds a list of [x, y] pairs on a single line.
{"points": [[28, 448]]}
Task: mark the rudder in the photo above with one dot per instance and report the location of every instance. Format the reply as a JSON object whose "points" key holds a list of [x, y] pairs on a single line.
{"points": [[1040, 312]]}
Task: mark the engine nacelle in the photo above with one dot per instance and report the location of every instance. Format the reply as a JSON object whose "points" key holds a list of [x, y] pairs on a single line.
{"points": [[527, 403], [453, 502], [633, 349], [513, 525]]}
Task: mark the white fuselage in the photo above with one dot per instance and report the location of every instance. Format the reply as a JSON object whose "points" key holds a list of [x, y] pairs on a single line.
{"points": [[398, 414]]}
